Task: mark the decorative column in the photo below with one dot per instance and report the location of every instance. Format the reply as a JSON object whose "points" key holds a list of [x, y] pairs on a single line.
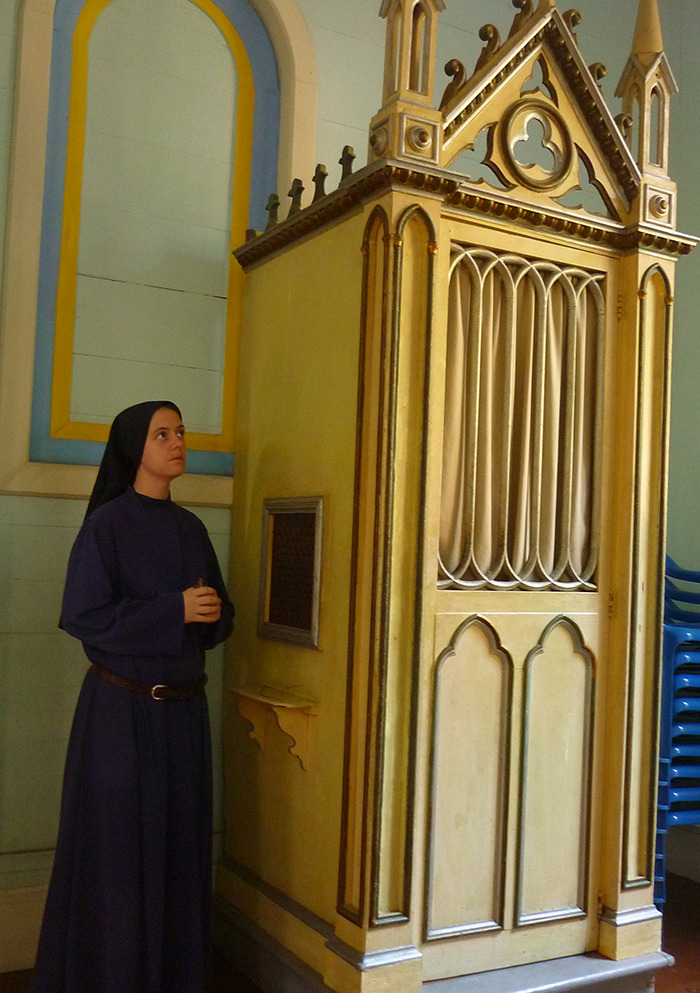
{"points": [[646, 86], [630, 924], [408, 125]]}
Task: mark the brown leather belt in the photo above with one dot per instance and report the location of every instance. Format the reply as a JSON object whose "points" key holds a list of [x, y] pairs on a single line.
{"points": [[159, 691]]}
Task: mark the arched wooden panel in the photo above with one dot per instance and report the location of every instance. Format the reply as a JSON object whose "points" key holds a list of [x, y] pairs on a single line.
{"points": [[555, 787], [472, 697]]}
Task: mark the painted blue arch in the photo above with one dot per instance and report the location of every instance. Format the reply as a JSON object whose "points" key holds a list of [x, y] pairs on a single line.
{"points": [[254, 36]]}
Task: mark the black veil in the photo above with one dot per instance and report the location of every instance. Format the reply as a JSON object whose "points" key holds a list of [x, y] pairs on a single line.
{"points": [[122, 456]]}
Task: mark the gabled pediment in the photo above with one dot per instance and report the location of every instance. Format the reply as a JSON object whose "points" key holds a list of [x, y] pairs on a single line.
{"points": [[536, 108]]}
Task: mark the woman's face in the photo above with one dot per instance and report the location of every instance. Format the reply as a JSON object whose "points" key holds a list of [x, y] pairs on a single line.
{"points": [[165, 451]]}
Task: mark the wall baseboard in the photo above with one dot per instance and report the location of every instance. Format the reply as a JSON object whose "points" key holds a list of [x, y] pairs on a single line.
{"points": [[258, 956], [21, 911]]}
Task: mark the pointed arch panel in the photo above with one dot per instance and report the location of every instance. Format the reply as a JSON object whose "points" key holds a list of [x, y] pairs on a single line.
{"points": [[472, 700], [556, 786]]}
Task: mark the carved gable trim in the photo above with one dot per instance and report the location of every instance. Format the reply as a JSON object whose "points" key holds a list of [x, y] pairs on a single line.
{"points": [[498, 85]]}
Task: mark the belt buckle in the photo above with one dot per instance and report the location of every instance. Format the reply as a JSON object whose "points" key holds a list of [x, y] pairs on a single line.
{"points": [[154, 693]]}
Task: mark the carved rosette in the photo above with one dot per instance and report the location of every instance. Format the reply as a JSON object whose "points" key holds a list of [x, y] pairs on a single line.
{"points": [[660, 204], [419, 139], [536, 146], [379, 139], [405, 136]]}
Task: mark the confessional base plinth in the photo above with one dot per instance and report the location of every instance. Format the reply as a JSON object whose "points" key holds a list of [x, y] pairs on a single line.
{"points": [[276, 970]]}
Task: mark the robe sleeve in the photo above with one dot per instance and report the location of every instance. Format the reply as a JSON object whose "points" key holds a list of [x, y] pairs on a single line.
{"points": [[96, 613], [213, 634]]}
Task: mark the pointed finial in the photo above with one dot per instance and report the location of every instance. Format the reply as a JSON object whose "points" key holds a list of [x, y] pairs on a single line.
{"points": [[272, 208], [648, 42], [295, 196], [320, 177], [346, 160], [388, 4]]}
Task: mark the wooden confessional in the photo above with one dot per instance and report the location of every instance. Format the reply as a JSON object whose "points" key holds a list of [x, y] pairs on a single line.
{"points": [[448, 533]]}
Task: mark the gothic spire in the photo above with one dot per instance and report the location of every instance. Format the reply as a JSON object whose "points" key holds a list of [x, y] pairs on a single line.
{"points": [[648, 43]]}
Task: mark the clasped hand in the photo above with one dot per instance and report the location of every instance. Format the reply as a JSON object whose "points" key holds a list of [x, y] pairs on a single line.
{"points": [[202, 604]]}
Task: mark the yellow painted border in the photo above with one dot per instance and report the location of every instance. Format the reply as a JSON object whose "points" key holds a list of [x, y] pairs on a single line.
{"points": [[61, 424], [18, 303]]}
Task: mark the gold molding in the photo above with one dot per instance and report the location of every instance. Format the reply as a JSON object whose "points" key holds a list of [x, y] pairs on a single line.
{"points": [[552, 30], [386, 175], [650, 654], [361, 699], [584, 87]]}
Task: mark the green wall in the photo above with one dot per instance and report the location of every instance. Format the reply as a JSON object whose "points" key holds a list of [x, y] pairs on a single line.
{"points": [[41, 671], [684, 499]]}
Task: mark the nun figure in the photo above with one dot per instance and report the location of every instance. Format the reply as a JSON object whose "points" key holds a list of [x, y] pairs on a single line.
{"points": [[129, 900]]}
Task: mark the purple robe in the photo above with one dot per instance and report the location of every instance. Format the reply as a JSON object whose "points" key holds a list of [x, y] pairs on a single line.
{"points": [[129, 900]]}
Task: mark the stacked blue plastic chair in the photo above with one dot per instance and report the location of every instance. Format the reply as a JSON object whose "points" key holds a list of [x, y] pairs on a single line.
{"points": [[679, 753]]}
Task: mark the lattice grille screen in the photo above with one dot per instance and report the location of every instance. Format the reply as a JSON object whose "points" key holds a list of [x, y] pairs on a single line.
{"points": [[521, 460]]}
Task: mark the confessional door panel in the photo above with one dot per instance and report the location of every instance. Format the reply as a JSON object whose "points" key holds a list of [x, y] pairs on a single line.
{"points": [[513, 781], [515, 695]]}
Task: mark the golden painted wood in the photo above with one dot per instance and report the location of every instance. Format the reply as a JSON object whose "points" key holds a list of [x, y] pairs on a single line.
{"points": [[556, 784], [471, 719], [647, 42], [483, 796], [368, 566]]}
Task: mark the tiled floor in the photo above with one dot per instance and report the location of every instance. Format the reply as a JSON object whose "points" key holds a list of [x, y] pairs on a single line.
{"points": [[224, 980], [681, 939]]}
